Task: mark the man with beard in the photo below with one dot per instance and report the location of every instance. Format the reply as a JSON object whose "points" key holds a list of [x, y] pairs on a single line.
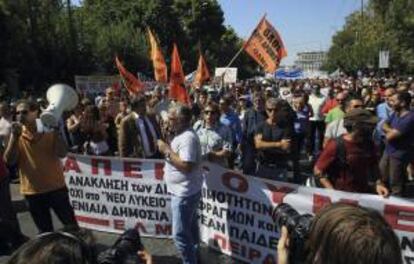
{"points": [[399, 148], [184, 180]]}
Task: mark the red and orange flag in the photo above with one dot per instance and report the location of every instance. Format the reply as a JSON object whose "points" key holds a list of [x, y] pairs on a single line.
{"points": [[158, 62], [202, 73], [132, 84], [177, 89], [265, 46]]}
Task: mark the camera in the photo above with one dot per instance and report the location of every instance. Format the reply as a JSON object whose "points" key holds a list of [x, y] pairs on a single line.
{"points": [[124, 250], [298, 227]]}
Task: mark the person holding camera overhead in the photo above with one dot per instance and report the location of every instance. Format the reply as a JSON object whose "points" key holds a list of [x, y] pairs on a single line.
{"points": [[37, 155]]}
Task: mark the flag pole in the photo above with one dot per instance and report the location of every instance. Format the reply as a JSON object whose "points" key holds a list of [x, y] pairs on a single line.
{"points": [[235, 56]]}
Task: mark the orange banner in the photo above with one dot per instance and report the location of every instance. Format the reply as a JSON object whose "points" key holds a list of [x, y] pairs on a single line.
{"points": [[158, 62], [132, 84], [265, 46], [202, 73], [177, 89]]}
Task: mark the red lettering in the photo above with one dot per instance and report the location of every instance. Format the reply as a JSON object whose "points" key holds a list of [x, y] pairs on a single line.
{"points": [[131, 168], [234, 247], [119, 224], [106, 164], [71, 164], [159, 171], [229, 177], [141, 228], [320, 201], [394, 213], [279, 192], [163, 229]]}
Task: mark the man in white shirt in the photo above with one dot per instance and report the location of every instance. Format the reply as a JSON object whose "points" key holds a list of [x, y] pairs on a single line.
{"points": [[317, 123], [184, 180], [336, 128]]}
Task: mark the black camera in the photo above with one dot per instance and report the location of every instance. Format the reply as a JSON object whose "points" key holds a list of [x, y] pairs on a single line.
{"points": [[124, 251], [298, 227]]}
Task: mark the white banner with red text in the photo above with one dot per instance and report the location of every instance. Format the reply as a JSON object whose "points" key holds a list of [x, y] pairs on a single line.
{"points": [[112, 194]]}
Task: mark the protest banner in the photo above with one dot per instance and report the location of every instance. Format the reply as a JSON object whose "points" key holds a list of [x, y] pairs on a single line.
{"points": [[229, 75], [265, 46], [111, 194], [94, 84], [384, 59]]}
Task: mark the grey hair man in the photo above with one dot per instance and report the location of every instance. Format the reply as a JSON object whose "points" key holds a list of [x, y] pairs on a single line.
{"points": [[184, 180]]}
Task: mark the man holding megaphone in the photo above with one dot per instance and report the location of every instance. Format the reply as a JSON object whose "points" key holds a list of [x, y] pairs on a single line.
{"points": [[37, 155]]}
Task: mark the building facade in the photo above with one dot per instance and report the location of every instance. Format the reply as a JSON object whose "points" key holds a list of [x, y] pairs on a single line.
{"points": [[310, 61]]}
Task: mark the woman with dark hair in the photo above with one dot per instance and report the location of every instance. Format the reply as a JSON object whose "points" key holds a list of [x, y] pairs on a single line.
{"points": [[346, 234], [60, 247], [350, 162], [94, 130]]}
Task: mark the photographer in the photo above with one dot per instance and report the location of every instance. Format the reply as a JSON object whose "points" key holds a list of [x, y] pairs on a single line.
{"points": [[341, 234]]}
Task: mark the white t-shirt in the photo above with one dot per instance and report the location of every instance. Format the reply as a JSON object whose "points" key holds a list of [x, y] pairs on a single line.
{"points": [[335, 129], [316, 102], [187, 146], [5, 127]]}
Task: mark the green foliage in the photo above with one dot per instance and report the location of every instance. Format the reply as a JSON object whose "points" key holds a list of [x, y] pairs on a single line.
{"points": [[46, 41], [385, 25]]}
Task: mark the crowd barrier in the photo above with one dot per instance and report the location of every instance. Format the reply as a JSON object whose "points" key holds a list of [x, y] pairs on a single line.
{"points": [[111, 194]]}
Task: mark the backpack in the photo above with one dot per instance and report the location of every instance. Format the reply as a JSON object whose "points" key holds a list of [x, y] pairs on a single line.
{"points": [[340, 160]]}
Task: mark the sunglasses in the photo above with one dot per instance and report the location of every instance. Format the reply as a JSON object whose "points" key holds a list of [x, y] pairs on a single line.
{"points": [[271, 109], [208, 112]]}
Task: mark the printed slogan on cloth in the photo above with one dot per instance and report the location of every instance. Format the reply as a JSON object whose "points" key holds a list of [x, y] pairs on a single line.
{"points": [[112, 194]]}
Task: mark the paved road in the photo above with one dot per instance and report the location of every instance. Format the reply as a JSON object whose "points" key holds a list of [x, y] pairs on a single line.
{"points": [[163, 249]]}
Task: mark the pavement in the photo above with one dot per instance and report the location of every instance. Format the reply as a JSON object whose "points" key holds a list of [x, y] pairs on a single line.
{"points": [[163, 250]]}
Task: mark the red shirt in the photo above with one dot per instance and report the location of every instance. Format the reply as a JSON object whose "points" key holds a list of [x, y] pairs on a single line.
{"points": [[360, 164]]}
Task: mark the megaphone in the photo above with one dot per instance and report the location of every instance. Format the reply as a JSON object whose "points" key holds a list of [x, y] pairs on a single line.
{"points": [[61, 97]]}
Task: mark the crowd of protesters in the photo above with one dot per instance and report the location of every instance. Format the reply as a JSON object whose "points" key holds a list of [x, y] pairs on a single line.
{"points": [[357, 134]]}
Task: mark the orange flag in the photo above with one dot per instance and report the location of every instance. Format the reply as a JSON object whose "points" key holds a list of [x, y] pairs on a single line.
{"points": [[265, 46], [177, 89], [202, 73], [132, 84], [158, 62]]}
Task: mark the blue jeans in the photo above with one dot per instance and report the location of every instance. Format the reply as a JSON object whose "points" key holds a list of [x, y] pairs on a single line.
{"points": [[185, 226]]}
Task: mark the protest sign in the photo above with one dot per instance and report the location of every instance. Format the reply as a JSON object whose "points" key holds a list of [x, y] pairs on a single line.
{"points": [[229, 75], [112, 194], [384, 59], [94, 84], [265, 46]]}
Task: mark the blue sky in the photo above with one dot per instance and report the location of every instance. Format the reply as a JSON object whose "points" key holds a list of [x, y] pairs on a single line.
{"points": [[305, 25]]}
